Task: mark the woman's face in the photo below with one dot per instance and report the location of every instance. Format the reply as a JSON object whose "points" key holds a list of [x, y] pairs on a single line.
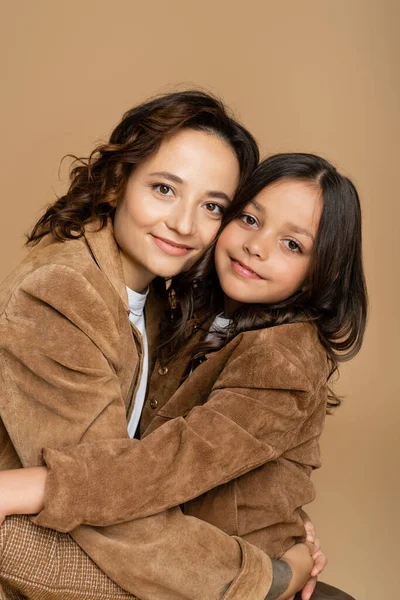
{"points": [[264, 255], [172, 206]]}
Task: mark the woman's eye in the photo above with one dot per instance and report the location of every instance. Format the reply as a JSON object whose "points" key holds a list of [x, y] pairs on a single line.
{"points": [[164, 190], [214, 208], [248, 219], [292, 246]]}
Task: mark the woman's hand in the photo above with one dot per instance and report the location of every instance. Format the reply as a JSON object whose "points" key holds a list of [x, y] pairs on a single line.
{"points": [[22, 491]]}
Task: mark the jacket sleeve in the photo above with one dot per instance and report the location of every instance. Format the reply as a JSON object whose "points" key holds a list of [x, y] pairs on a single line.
{"points": [[252, 416], [59, 359], [74, 575]]}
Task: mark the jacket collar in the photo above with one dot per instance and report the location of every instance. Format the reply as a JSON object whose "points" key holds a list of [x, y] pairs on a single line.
{"points": [[106, 254]]}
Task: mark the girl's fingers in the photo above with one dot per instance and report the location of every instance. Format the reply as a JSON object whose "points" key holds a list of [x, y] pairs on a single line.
{"points": [[320, 562], [309, 527], [309, 588], [317, 545]]}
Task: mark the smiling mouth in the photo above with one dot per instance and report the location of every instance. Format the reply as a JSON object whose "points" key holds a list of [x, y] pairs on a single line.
{"points": [[170, 247], [243, 270]]}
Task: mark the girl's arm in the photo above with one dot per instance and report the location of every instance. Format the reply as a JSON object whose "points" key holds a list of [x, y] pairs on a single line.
{"points": [[251, 417], [78, 574], [22, 492]]}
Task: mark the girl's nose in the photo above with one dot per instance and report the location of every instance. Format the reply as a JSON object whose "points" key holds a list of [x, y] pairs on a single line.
{"points": [[255, 245]]}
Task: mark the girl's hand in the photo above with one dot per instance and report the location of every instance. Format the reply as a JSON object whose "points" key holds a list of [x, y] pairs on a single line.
{"points": [[319, 558], [320, 562], [299, 558]]}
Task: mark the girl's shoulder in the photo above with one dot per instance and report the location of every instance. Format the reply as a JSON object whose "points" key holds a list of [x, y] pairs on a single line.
{"points": [[290, 350]]}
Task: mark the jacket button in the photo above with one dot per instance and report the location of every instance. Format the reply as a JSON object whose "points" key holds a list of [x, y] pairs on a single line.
{"points": [[163, 370], [153, 403]]}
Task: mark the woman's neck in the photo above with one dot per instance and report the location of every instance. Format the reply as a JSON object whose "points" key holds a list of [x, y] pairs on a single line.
{"points": [[136, 278]]}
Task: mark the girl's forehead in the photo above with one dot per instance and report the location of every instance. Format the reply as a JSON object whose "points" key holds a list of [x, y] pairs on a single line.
{"points": [[294, 202]]}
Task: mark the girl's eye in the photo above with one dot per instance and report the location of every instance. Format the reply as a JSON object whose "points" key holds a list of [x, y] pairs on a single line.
{"points": [[214, 208], [292, 246], [248, 219], [163, 189]]}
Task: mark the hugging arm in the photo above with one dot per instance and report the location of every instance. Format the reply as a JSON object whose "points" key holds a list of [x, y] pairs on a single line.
{"points": [[249, 419], [75, 576]]}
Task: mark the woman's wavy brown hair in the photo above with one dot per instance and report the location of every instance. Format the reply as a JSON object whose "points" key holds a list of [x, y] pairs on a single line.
{"points": [[98, 182], [335, 298]]}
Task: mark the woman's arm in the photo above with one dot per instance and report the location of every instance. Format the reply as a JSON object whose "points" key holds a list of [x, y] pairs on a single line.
{"points": [[241, 427], [22, 491]]}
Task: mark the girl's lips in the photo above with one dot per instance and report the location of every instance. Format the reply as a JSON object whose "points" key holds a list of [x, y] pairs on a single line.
{"points": [[242, 270], [170, 247]]}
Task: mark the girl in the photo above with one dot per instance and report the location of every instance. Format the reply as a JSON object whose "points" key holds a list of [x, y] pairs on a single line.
{"points": [[288, 276], [146, 204]]}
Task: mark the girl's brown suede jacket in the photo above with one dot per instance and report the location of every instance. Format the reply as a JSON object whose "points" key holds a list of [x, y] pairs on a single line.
{"points": [[238, 442]]}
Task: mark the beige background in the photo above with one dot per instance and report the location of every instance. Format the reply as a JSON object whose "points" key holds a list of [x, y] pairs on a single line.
{"points": [[318, 76]]}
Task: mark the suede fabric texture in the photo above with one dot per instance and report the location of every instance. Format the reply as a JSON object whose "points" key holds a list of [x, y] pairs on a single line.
{"points": [[70, 362], [72, 575], [235, 444]]}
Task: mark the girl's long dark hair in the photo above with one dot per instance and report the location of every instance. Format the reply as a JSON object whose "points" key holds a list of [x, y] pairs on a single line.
{"points": [[98, 182], [335, 298]]}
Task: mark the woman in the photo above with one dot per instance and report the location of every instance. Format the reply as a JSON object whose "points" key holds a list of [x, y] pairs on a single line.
{"points": [[70, 366]]}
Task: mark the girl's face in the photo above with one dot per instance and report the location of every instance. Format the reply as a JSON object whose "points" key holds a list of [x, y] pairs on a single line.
{"points": [[173, 204], [264, 255]]}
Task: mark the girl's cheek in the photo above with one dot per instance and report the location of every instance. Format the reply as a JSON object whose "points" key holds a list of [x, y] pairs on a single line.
{"points": [[225, 239]]}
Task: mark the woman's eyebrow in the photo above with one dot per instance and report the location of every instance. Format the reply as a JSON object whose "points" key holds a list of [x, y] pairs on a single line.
{"points": [[176, 179], [221, 195], [167, 175]]}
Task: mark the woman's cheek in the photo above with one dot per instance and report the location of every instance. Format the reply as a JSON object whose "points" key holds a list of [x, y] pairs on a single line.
{"points": [[208, 232]]}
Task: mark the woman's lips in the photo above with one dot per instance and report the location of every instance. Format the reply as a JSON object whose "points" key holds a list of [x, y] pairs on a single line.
{"points": [[171, 247], [243, 270]]}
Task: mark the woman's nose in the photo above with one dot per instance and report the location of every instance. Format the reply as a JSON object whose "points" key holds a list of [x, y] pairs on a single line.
{"points": [[182, 220]]}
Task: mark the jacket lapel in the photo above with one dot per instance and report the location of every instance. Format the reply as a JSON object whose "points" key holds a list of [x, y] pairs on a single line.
{"points": [[105, 251]]}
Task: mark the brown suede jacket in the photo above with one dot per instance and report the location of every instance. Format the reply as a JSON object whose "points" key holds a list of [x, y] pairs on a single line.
{"points": [[234, 444], [69, 366]]}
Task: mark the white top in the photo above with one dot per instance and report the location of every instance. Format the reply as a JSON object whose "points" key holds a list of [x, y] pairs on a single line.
{"points": [[219, 324], [136, 316]]}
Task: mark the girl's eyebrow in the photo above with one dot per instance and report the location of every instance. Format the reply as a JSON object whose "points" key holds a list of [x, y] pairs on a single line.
{"points": [[257, 205], [296, 229], [291, 226], [176, 179]]}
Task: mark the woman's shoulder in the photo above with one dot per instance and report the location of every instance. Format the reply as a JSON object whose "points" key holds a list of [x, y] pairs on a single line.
{"points": [[56, 268]]}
